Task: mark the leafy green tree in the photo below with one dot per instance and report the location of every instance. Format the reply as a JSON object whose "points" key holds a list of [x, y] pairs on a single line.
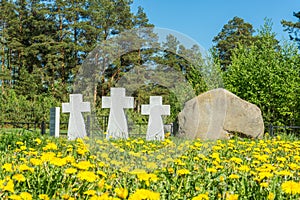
{"points": [[267, 76], [293, 28], [235, 32], [44, 43]]}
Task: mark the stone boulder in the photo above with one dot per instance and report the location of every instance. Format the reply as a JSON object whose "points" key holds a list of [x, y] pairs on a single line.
{"points": [[219, 114]]}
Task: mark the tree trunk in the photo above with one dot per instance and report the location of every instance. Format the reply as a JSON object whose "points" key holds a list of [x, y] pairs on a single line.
{"points": [[3, 67], [62, 50], [95, 95]]}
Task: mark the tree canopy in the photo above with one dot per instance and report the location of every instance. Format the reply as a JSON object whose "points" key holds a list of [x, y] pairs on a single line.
{"points": [[293, 28], [267, 76], [43, 44], [235, 32]]}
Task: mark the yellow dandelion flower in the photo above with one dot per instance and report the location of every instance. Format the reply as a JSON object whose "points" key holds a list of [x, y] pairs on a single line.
{"points": [[44, 197], [271, 196], [23, 148], [35, 161], [90, 192], [50, 146], [196, 159], [167, 134], [104, 196], [234, 176], [102, 173], [82, 151], [15, 197], [215, 156], [170, 170], [147, 178], [26, 196], [2, 184], [19, 177], [284, 173], [294, 166], [121, 193], [65, 196], [261, 158], [216, 148], [201, 197], [222, 178], [144, 194], [9, 186], [7, 167], [211, 170], [47, 156], [181, 172], [113, 176], [58, 162], [101, 184], [83, 165], [87, 176], [70, 170], [108, 187], [263, 175], [232, 196], [70, 159], [244, 168], [25, 167], [38, 141], [290, 187], [219, 167], [281, 159]]}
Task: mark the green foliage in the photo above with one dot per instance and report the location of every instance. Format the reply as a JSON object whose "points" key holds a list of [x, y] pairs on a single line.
{"points": [[43, 44], [169, 70], [9, 140], [293, 28], [267, 75], [17, 108], [235, 32]]}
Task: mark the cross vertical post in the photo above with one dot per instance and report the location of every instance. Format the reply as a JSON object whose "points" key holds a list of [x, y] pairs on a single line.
{"points": [[76, 128], [155, 110], [117, 123]]}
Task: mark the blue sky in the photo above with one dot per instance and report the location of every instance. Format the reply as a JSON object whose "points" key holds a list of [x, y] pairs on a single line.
{"points": [[203, 19]]}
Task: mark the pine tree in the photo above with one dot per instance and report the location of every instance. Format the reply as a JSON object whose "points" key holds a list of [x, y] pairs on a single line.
{"points": [[235, 32], [293, 28]]}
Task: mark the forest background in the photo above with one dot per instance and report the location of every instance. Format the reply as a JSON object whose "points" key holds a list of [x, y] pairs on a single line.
{"points": [[43, 44]]}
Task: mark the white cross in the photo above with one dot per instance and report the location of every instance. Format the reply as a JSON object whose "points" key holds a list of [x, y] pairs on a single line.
{"points": [[155, 129], [76, 128], [117, 123]]}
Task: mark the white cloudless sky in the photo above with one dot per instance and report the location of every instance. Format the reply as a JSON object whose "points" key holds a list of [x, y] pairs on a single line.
{"points": [[204, 19]]}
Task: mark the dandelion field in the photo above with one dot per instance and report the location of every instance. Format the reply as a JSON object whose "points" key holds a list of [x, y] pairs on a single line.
{"points": [[42, 167]]}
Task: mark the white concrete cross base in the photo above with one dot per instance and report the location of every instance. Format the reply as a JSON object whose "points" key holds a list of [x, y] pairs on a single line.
{"points": [[76, 128], [155, 110], [117, 123]]}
